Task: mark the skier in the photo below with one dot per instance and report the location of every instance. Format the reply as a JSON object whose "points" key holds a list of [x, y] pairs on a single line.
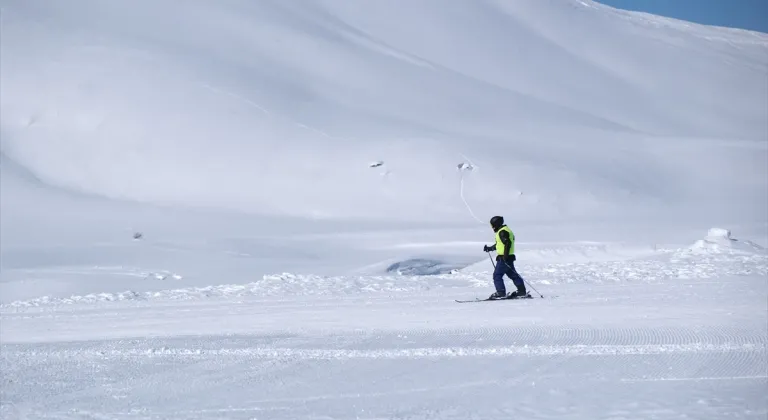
{"points": [[505, 260]]}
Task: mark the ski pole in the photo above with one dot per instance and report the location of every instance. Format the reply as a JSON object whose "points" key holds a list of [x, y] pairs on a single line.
{"points": [[492, 263], [521, 277], [534, 289]]}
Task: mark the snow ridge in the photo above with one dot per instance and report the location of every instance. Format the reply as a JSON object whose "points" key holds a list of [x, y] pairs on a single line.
{"points": [[407, 353], [679, 265], [270, 285], [695, 262]]}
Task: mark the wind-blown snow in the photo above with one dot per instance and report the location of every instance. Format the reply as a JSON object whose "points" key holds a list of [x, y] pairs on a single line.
{"points": [[267, 209]]}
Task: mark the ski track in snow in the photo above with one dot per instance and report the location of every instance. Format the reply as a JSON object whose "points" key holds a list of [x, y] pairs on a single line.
{"points": [[367, 375], [650, 337], [395, 353], [636, 349]]}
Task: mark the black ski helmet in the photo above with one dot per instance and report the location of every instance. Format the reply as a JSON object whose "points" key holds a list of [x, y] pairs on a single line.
{"points": [[497, 222]]}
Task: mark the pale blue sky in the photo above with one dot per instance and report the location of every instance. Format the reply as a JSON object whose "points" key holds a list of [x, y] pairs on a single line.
{"points": [[744, 14]]}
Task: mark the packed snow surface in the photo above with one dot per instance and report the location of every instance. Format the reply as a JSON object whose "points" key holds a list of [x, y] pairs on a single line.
{"points": [[267, 210], [665, 351], [671, 333]]}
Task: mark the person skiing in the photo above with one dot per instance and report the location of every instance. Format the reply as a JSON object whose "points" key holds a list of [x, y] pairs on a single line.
{"points": [[505, 260]]}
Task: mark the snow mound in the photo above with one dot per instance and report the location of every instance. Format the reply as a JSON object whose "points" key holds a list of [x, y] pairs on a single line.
{"points": [[422, 267], [664, 266], [285, 284], [75, 299], [719, 240], [650, 270], [718, 255]]}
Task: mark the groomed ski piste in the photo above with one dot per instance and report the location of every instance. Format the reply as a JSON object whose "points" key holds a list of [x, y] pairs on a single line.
{"points": [[269, 210], [670, 333]]}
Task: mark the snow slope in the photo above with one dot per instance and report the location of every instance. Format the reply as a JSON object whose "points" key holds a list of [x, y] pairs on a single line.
{"points": [[276, 108], [280, 274]]}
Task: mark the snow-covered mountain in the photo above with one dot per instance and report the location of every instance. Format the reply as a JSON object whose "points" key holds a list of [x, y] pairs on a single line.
{"points": [[567, 109], [267, 209]]}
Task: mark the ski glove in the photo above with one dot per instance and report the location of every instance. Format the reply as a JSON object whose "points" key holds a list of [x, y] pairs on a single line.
{"points": [[487, 248]]}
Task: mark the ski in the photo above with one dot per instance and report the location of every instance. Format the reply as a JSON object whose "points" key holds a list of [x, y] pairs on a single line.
{"points": [[489, 299]]}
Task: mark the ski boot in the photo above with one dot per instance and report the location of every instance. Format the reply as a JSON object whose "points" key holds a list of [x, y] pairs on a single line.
{"points": [[519, 294], [498, 295]]}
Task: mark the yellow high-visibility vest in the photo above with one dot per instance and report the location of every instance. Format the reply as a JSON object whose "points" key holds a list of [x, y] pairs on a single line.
{"points": [[500, 248]]}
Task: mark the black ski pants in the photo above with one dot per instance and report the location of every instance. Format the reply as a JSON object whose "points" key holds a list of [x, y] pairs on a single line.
{"points": [[506, 268]]}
